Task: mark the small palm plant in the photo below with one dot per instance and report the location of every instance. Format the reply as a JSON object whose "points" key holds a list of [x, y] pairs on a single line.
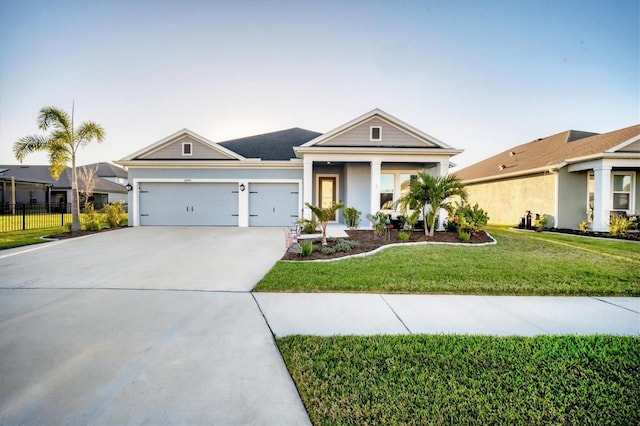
{"points": [[324, 216]]}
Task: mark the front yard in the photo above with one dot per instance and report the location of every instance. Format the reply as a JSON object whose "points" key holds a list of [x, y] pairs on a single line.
{"points": [[448, 380], [522, 263]]}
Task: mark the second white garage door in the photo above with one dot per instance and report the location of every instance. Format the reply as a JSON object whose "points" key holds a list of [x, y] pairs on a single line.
{"points": [[168, 203], [273, 204]]}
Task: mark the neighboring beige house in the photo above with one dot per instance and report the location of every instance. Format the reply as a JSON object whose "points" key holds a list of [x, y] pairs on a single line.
{"points": [[570, 176]]}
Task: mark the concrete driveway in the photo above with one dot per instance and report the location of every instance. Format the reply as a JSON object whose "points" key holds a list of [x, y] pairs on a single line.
{"points": [[142, 325]]}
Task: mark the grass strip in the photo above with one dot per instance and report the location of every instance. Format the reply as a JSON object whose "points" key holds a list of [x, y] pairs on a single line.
{"points": [[451, 379], [520, 264], [24, 238]]}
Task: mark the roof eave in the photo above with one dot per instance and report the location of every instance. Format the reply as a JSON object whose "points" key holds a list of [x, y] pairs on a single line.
{"points": [[211, 164], [549, 168], [301, 150]]}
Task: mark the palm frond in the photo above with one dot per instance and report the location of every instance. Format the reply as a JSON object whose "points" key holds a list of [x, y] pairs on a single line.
{"points": [[89, 131], [54, 117], [29, 144], [59, 157]]}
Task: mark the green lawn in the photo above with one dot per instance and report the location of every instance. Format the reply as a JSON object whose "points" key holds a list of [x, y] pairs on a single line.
{"points": [[443, 379], [25, 238], [522, 263]]}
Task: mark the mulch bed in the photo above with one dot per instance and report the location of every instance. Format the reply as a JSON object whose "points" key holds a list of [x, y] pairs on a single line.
{"points": [[75, 234], [367, 242]]}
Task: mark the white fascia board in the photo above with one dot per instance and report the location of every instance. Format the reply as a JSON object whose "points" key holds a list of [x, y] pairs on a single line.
{"points": [[210, 164], [623, 144], [167, 140], [375, 151], [399, 157], [613, 160], [401, 125], [552, 168]]}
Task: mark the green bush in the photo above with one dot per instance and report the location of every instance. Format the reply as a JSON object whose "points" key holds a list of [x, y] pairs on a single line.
{"points": [[464, 236], [345, 246], [307, 248], [619, 225], [473, 217], [404, 236], [327, 250], [115, 214], [584, 226], [309, 226], [351, 217], [92, 221]]}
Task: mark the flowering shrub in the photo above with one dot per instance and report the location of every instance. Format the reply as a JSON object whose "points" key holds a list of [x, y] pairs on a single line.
{"points": [[467, 219]]}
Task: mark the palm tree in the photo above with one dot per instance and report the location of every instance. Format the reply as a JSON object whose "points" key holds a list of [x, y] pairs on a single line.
{"points": [[62, 144], [428, 194], [324, 216]]}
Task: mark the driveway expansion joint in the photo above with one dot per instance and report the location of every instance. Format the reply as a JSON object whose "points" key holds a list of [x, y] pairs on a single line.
{"points": [[396, 314], [614, 304]]}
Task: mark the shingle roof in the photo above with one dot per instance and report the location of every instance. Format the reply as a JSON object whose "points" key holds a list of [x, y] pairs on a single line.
{"points": [[109, 170], [546, 152], [271, 146], [41, 174]]}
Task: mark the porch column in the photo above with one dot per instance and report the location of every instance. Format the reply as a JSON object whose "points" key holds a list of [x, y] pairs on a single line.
{"points": [[443, 170], [307, 192], [376, 166], [601, 198]]}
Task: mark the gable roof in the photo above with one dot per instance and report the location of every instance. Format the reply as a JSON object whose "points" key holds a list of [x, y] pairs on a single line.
{"points": [[271, 146], [550, 152], [41, 174], [428, 140], [173, 138]]}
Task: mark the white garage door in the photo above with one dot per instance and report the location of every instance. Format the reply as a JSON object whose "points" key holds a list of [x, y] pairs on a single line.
{"points": [[213, 204], [273, 204]]}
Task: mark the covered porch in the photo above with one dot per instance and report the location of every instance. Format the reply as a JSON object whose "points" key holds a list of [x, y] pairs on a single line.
{"points": [[368, 183]]}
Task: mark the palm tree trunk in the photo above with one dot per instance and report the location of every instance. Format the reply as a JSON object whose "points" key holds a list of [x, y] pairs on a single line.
{"points": [[75, 202]]}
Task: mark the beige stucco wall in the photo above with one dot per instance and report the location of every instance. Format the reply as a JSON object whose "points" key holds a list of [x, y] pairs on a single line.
{"points": [[507, 200]]}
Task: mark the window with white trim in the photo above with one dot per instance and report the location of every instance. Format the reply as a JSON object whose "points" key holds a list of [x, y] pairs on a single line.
{"points": [[394, 186], [622, 191], [375, 133], [187, 148]]}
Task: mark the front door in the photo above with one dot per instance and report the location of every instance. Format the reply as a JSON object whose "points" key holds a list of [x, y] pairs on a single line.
{"points": [[327, 192]]}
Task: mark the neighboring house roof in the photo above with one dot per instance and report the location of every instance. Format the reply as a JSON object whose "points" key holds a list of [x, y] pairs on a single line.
{"points": [[41, 174], [108, 170], [272, 146], [553, 152]]}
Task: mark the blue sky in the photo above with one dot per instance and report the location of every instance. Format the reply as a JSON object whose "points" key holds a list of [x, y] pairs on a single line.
{"points": [[479, 75]]}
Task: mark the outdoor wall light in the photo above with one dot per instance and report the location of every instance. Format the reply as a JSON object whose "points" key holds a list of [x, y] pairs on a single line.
{"points": [[242, 187], [129, 187]]}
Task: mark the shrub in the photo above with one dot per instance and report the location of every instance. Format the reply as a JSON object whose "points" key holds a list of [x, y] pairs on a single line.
{"points": [[92, 220], [473, 217], [352, 217], [619, 225], [541, 222], [452, 224], [327, 250], [380, 222], [345, 246], [584, 226], [307, 248], [115, 214], [309, 226], [404, 236], [464, 236]]}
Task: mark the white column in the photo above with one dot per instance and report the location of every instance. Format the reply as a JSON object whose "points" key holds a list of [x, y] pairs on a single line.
{"points": [[376, 166], [601, 198], [307, 193], [243, 204], [443, 170]]}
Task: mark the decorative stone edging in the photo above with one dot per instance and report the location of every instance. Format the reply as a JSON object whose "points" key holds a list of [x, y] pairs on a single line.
{"points": [[379, 249]]}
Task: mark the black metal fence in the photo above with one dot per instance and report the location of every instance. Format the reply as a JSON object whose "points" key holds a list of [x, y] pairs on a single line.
{"points": [[17, 217]]}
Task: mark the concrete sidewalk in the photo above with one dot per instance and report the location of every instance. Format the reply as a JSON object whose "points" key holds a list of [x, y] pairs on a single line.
{"points": [[367, 314]]}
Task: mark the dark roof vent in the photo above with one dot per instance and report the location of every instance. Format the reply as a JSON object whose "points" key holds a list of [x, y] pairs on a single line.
{"points": [[512, 153], [502, 167]]}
